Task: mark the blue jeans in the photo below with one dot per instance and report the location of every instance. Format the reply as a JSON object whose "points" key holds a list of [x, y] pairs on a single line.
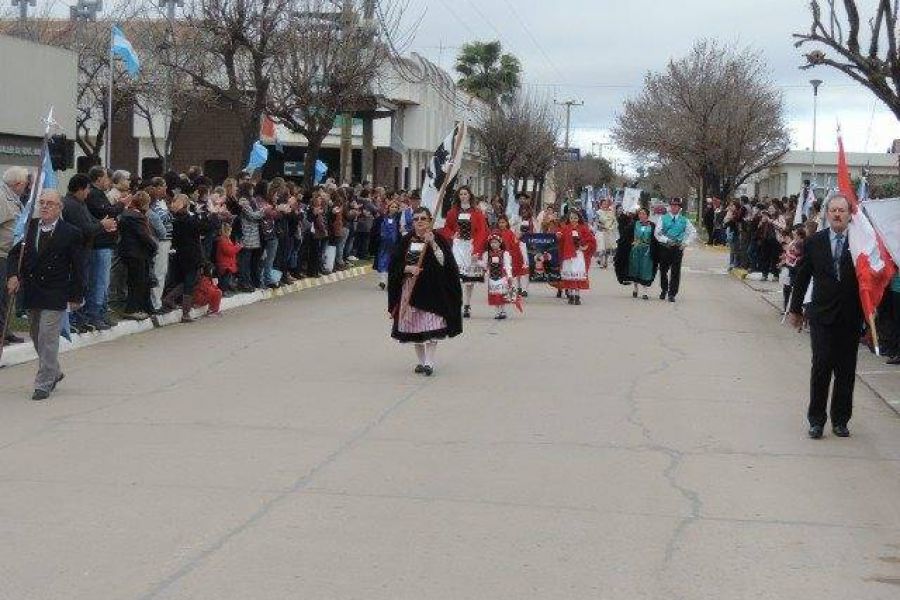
{"points": [[98, 284], [270, 248]]}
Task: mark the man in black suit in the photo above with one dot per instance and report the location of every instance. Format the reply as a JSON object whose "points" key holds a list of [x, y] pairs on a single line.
{"points": [[835, 319], [51, 275]]}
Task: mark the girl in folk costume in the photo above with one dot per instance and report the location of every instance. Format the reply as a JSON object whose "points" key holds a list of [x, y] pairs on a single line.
{"points": [[642, 257], [390, 235], [517, 252], [498, 265], [576, 247], [606, 232], [466, 228], [424, 293]]}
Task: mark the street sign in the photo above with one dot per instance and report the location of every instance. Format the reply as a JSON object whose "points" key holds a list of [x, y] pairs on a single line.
{"points": [[571, 154], [293, 169]]}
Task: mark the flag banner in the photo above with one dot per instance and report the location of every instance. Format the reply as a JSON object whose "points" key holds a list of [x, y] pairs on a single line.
{"points": [[442, 169], [885, 218], [874, 267], [122, 48], [631, 200], [321, 171], [259, 154], [543, 257]]}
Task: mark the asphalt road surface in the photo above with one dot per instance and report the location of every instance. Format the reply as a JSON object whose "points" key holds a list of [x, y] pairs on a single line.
{"points": [[623, 449]]}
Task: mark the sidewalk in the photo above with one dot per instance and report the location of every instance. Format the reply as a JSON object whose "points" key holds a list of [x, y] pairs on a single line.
{"points": [[22, 353], [882, 379]]}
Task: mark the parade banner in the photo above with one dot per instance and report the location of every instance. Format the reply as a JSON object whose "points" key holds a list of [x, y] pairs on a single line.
{"points": [[543, 257], [631, 200]]}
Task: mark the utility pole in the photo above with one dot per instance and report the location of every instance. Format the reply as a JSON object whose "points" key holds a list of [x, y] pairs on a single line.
{"points": [[352, 19], [170, 6], [569, 104]]}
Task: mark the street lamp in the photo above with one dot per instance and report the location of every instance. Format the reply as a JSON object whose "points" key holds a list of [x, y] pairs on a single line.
{"points": [[815, 84], [23, 7], [85, 10]]}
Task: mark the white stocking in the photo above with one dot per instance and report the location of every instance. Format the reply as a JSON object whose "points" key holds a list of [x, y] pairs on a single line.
{"points": [[420, 353], [469, 289], [430, 349]]}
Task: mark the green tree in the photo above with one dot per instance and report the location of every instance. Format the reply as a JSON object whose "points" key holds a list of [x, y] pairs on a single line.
{"points": [[487, 73]]}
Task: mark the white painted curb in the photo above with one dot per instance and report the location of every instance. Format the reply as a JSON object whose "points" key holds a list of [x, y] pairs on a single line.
{"points": [[22, 353]]}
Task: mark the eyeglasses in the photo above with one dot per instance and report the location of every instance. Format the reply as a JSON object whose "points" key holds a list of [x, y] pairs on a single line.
{"points": [[425, 219]]}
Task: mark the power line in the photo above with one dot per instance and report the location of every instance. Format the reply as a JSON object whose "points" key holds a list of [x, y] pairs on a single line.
{"points": [[458, 19], [527, 29]]}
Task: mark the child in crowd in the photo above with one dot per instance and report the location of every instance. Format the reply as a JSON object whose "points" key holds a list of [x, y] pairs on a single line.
{"points": [[498, 266], [793, 253], [226, 259], [207, 293]]}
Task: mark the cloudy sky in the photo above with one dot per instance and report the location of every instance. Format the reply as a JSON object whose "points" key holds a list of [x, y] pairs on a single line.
{"points": [[599, 50]]}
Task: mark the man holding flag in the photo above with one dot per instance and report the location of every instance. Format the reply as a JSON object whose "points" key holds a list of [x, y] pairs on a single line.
{"points": [[849, 269]]}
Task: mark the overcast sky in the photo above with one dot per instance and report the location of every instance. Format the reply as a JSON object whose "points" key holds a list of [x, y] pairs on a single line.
{"points": [[599, 50]]}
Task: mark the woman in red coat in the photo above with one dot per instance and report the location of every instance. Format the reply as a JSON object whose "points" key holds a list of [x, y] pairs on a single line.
{"points": [[226, 259], [466, 229], [576, 247]]}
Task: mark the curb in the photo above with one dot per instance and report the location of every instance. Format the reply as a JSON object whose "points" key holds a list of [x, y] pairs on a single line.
{"points": [[22, 353], [893, 405]]}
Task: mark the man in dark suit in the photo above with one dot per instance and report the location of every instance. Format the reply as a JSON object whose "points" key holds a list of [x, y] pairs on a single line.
{"points": [[52, 280], [835, 319]]}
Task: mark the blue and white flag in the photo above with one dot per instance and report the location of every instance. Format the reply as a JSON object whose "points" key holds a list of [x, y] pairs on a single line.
{"points": [[512, 204], [321, 171], [122, 48], [862, 194], [46, 180], [259, 154]]}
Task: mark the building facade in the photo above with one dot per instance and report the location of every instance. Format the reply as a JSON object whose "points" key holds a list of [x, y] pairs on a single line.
{"points": [[786, 178]]}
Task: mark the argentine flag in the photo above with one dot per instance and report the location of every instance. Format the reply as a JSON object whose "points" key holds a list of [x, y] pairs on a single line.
{"points": [[122, 48]]}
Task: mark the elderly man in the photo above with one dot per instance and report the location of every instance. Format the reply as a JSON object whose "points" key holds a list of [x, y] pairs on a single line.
{"points": [[15, 180], [835, 319], [51, 278]]}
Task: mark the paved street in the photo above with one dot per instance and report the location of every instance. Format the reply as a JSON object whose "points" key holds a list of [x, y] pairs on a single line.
{"points": [[618, 450]]}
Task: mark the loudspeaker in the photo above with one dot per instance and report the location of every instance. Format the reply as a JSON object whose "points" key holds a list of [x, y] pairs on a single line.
{"points": [[62, 152]]}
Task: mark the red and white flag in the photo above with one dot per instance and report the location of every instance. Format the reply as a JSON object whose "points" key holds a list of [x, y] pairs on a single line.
{"points": [[874, 267]]}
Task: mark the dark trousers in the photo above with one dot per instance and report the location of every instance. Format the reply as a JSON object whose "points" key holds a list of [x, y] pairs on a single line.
{"points": [[137, 276], [4, 303], [361, 244], [670, 269], [248, 267], [314, 251], [834, 349]]}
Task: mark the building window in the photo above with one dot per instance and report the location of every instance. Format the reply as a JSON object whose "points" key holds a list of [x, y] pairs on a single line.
{"points": [[406, 177]]}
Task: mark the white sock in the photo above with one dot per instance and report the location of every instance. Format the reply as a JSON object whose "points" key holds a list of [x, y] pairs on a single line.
{"points": [[430, 349], [420, 353], [383, 277]]}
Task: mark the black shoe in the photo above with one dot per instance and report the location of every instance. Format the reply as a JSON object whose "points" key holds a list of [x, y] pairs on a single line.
{"points": [[645, 297], [571, 300], [559, 293], [497, 317], [40, 395], [634, 294], [577, 300], [501, 316], [381, 285], [429, 371], [671, 298], [840, 431], [894, 360], [662, 295], [523, 293], [59, 378], [12, 338], [816, 431], [419, 369], [467, 312], [100, 325]]}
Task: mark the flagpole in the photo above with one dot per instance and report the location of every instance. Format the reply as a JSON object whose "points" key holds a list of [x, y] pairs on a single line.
{"points": [[36, 185], [109, 104]]}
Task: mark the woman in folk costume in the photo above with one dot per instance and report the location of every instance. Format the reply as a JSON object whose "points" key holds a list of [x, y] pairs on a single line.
{"points": [[424, 293], [576, 247], [517, 252], [498, 266], [466, 228], [389, 233], [642, 257], [607, 232]]}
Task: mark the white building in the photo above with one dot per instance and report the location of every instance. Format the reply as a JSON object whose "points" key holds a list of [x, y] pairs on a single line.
{"points": [[786, 178]]}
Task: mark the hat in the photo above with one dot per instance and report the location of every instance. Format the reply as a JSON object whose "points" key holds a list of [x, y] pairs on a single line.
{"points": [[495, 235], [675, 202]]}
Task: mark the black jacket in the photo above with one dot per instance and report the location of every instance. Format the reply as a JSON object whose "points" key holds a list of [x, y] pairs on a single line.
{"points": [[832, 300], [50, 277], [99, 206], [135, 239], [186, 231], [75, 212]]}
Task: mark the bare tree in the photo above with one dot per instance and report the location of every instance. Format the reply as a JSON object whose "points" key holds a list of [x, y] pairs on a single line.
{"points": [[873, 61], [714, 113], [331, 57]]}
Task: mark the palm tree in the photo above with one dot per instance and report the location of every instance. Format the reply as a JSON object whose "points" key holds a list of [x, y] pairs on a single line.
{"points": [[486, 73]]}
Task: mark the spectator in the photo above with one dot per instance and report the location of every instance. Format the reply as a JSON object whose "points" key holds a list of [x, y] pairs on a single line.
{"points": [[207, 293], [709, 213], [76, 213], [137, 245], [249, 258], [96, 306], [364, 223], [186, 231], [319, 237], [161, 220], [226, 259], [119, 189], [15, 180]]}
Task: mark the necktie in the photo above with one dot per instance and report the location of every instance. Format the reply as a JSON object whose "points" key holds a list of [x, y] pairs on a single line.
{"points": [[838, 251]]}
